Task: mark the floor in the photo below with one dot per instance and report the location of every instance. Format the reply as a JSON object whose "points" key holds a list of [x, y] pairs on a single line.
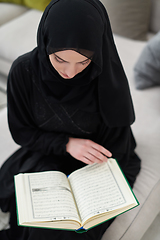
{"points": [[153, 232]]}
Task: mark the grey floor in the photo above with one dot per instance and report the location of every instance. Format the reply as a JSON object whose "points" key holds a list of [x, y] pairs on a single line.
{"points": [[153, 232]]}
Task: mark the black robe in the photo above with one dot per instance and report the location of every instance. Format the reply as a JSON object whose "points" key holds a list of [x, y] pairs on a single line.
{"points": [[42, 128], [44, 109]]}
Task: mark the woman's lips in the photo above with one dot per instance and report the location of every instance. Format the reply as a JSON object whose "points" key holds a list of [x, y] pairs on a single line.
{"points": [[64, 75]]}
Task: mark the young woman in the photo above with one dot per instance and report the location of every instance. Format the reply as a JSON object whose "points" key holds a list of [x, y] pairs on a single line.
{"points": [[69, 105]]}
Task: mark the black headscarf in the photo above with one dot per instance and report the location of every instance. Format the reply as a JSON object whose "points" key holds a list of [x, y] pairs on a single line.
{"points": [[83, 26]]}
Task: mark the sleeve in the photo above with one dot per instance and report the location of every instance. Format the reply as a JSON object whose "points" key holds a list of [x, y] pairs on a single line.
{"points": [[21, 123], [120, 141]]}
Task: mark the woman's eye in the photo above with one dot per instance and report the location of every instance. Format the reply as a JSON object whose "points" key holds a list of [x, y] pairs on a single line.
{"points": [[84, 63], [59, 60]]}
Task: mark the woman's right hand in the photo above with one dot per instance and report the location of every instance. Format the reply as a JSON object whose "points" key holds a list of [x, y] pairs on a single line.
{"points": [[87, 151]]}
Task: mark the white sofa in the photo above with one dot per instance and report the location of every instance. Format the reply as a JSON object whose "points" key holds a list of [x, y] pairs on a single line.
{"points": [[133, 224], [18, 27]]}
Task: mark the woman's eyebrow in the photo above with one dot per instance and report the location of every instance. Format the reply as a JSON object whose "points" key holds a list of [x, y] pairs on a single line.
{"points": [[60, 58], [85, 60]]}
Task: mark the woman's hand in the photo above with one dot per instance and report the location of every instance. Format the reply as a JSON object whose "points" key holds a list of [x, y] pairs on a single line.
{"points": [[87, 151]]}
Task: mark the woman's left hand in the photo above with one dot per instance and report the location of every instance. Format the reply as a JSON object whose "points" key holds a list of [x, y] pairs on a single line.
{"points": [[87, 151]]}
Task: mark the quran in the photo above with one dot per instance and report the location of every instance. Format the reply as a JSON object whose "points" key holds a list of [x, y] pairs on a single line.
{"points": [[87, 197]]}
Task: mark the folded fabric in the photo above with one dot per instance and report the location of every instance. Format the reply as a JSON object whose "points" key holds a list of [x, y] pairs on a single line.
{"points": [[147, 68]]}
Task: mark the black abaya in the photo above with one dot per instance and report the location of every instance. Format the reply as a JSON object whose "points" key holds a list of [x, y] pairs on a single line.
{"points": [[44, 110], [43, 144]]}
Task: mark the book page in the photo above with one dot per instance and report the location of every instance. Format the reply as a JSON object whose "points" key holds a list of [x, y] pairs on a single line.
{"points": [[51, 197], [96, 190]]}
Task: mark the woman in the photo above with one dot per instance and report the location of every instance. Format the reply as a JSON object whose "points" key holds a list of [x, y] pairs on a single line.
{"points": [[68, 105]]}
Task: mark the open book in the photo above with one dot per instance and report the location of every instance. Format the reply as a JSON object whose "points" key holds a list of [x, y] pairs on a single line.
{"points": [[84, 199]]}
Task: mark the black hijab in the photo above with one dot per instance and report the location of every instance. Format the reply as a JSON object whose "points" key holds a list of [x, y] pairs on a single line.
{"points": [[83, 26]]}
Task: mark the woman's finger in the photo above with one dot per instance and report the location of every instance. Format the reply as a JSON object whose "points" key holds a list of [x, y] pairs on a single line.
{"points": [[95, 158], [98, 155], [101, 149], [86, 160]]}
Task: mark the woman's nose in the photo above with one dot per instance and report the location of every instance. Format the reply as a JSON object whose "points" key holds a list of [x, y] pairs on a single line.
{"points": [[71, 71]]}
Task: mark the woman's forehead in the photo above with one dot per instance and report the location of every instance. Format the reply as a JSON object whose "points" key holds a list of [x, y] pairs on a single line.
{"points": [[71, 55]]}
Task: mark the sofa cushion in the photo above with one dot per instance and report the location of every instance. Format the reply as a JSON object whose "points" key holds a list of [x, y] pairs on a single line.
{"points": [[147, 68], [133, 224], [10, 11], [19, 35], [37, 4], [13, 1], [7, 146], [155, 16], [4, 220], [129, 18]]}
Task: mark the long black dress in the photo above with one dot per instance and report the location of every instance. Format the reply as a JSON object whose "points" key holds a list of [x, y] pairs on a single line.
{"points": [[44, 109], [42, 129]]}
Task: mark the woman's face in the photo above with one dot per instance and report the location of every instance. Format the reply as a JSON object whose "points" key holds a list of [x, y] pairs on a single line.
{"points": [[68, 63]]}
